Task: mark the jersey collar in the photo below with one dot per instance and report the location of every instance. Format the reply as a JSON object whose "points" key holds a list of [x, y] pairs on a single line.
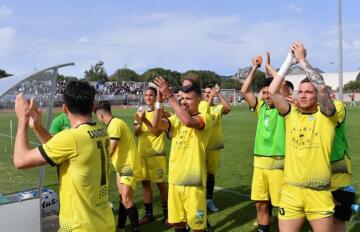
{"points": [[88, 123]]}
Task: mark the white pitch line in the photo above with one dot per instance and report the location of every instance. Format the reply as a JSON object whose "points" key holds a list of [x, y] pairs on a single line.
{"points": [[217, 188], [8, 136]]}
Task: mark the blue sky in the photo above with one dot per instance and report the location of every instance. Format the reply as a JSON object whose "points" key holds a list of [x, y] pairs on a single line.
{"points": [[180, 35]]}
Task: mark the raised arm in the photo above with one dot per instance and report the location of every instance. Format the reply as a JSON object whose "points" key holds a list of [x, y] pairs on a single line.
{"points": [[245, 89], [327, 106], [137, 127], [35, 123], [278, 98], [149, 125], [226, 105], [157, 122], [184, 116], [24, 157], [267, 73]]}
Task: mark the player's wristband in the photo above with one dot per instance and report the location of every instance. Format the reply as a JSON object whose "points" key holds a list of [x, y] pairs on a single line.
{"points": [[158, 105], [286, 65]]}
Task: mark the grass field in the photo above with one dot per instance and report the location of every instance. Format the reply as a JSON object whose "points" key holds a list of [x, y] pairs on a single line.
{"points": [[237, 212]]}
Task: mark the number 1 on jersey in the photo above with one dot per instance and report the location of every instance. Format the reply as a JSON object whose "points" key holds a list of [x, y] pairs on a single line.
{"points": [[100, 145]]}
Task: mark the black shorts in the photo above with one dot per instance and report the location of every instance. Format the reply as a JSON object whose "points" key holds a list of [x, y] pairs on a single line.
{"points": [[343, 201]]}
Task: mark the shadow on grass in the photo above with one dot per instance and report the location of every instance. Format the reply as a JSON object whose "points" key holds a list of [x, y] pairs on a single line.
{"points": [[354, 224], [236, 203]]}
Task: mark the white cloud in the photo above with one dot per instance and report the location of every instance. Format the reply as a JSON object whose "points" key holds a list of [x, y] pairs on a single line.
{"points": [[83, 39], [356, 44], [6, 37], [295, 9], [221, 43], [5, 11]]}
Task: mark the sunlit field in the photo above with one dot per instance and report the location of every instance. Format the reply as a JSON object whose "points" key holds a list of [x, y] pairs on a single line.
{"points": [[237, 212]]}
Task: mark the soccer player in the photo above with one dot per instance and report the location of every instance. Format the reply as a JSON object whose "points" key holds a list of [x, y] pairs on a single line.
{"points": [[60, 123], [151, 147], [213, 150], [80, 153], [341, 173], [187, 171], [309, 138], [268, 149], [204, 106], [126, 162]]}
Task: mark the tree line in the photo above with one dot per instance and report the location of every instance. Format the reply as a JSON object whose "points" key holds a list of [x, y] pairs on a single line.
{"points": [[98, 73]]}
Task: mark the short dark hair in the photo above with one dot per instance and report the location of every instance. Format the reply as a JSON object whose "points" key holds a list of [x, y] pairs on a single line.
{"points": [[103, 105], [79, 97], [209, 86], [152, 89], [191, 88], [305, 80], [266, 82], [194, 80]]}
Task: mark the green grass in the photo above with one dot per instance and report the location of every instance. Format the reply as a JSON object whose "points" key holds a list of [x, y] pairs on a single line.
{"points": [[237, 212]]}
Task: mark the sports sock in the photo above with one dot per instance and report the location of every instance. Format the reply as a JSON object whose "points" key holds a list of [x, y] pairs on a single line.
{"points": [[210, 184], [122, 216], [164, 206], [148, 209], [263, 228], [134, 218]]}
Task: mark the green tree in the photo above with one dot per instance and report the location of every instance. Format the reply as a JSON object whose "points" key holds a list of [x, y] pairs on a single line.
{"points": [[96, 72], [231, 84], [125, 74], [173, 77], [258, 79], [68, 78], [205, 77], [352, 86], [4, 74]]}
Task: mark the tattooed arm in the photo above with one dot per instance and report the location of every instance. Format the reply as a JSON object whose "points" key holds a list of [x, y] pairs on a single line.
{"points": [[327, 106]]}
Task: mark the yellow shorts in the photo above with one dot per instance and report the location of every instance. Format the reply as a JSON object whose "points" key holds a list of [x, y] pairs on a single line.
{"points": [[297, 202], [213, 161], [153, 168], [266, 185], [127, 180], [187, 204]]}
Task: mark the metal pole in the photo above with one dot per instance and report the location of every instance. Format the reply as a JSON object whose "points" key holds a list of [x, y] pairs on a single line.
{"points": [[48, 122], [340, 55]]}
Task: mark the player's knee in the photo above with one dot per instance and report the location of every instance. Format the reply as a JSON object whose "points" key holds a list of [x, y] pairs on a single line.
{"points": [[127, 202]]}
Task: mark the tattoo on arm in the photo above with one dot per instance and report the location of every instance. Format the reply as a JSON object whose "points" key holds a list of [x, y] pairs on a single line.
{"points": [[327, 106], [313, 75]]}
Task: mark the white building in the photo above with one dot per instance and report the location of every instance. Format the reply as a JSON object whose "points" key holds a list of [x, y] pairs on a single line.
{"points": [[331, 79]]}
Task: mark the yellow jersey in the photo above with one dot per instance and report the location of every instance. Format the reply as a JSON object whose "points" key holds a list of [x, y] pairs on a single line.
{"points": [[204, 107], [83, 160], [150, 144], [125, 158], [187, 155], [216, 132], [309, 139]]}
